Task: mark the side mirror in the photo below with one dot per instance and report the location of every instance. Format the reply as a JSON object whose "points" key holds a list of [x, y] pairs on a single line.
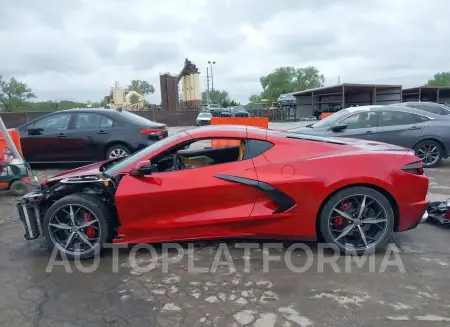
{"points": [[338, 127], [143, 168]]}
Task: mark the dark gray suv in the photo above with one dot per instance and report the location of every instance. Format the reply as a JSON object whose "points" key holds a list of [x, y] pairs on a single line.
{"points": [[427, 133]]}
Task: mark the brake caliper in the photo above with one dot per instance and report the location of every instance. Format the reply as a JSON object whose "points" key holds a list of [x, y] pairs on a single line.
{"points": [[90, 230]]}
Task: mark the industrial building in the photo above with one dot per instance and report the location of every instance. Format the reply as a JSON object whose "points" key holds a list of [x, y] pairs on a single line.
{"points": [[438, 94], [332, 98]]}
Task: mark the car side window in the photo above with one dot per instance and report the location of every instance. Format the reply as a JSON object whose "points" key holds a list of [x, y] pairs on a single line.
{"points": [[58, 122], [90, 120], [360, 120], [394, 118], [201, 153], [256, 147], [106, 121]]}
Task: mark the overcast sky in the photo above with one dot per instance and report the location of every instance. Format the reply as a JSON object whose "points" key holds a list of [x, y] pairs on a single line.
{"points": [[76, 49]]}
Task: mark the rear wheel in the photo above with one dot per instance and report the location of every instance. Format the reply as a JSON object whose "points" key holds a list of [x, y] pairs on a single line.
{"points": [[430, 151], [78, 225], [357, 219], [117, 151]]}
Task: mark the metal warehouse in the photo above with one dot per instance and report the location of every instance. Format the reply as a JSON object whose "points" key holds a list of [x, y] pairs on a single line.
{"points": [[332, 98], [438, 94]]}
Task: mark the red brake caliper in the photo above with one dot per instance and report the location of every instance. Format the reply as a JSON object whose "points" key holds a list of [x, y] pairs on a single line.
{"points": [[339, 221], [90, 231]]}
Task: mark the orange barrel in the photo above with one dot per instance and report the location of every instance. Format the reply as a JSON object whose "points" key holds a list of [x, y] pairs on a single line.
{"points": [[14, 133]]}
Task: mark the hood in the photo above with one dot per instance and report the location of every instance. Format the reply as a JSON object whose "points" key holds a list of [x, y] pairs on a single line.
{"points": [[92, 169]]}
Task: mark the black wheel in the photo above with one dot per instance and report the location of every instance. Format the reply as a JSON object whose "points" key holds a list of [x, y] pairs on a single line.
{"points": [[78, 225], [431, 153], [357, 220], [19, 188], [117, 151]]}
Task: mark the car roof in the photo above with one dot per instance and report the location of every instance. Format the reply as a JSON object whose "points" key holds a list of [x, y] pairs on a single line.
{"points": [[94, 110], [362, 108]]}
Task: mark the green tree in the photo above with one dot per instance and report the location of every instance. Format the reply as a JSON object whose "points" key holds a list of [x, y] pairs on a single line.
{"points": [[290, 79], [141, 87], [440, 79], [219, 97], [134, 98], [14, 94], [254, 98]]}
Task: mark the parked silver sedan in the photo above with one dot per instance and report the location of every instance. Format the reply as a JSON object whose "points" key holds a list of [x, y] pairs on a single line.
{"points": [[427, 133]]}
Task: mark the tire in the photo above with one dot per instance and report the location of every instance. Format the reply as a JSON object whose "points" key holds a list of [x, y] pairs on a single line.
{"points": [[434, 147], [99, 210], [119, 149], [19, 188], [379, 200]]}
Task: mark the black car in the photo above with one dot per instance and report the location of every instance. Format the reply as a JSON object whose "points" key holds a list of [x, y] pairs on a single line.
{"points": [[239, 111], [433, 107], [87, 135]]}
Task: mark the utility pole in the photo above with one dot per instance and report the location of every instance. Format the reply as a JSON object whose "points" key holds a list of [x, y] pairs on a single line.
{"points": [[211, 63], [208, 100]]}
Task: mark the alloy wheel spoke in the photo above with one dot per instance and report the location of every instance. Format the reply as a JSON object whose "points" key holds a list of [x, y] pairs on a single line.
{"points": [[89, 223], [374, 221], [69, 240], [61, 226], [344, 214], [346, 230], [363, 236], [85, 240], [362, 206]]}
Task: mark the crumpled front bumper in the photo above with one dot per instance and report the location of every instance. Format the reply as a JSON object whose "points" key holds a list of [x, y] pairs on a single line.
{"points": [[27, 210]]}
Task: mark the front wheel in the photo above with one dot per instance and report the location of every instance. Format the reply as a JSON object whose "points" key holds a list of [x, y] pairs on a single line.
{"points": [[78, 225], [117, 151], [430, 152], [357, 220]]}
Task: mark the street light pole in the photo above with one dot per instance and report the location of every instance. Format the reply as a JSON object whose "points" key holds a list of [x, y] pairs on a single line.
{"points": [[207, 86], [211, 63]]}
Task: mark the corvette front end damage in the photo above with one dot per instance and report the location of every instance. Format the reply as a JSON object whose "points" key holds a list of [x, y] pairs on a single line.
{"points": [[32, 207]]}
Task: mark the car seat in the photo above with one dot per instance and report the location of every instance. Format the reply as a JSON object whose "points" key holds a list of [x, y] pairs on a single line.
{"points": [[241, 150]]}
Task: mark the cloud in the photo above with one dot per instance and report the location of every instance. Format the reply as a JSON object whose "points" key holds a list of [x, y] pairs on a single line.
{"points": [[77, 49]]}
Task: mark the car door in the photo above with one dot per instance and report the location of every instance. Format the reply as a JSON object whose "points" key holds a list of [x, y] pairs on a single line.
{"points": [[360, 125], [190, 203], [46, 140], [400, 128], [90, 134]]}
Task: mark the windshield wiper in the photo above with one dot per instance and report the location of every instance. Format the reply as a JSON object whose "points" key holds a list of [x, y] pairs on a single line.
{"points": [[310, 126]]}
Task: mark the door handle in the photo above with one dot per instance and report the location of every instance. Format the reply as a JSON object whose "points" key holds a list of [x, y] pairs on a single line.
{"points": [[369, 132], [61, 136], [102, 132], [414, 127]]}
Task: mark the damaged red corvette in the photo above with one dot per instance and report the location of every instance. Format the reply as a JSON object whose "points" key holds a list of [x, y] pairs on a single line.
{"points": [[263, 184]]}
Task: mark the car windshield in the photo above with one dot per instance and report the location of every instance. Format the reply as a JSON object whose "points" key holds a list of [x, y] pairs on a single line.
{"points": [[328, 121], [136, 157], [204, 114]]}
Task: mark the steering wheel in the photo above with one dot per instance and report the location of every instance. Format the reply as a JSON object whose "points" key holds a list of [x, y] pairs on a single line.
{"points": [[178, 163]]}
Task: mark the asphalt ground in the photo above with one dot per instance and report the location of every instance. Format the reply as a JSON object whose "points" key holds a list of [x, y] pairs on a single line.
{"points": [[219, 283]]}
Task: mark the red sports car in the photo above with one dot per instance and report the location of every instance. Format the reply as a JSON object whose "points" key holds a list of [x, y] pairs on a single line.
{"points": [[233, 181]]}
